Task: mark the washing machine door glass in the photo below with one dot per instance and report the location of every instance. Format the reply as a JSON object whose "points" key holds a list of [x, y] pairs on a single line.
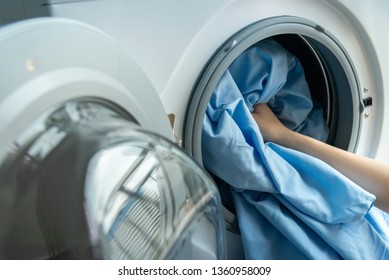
{"points": [[88, 168], [85, 182]]}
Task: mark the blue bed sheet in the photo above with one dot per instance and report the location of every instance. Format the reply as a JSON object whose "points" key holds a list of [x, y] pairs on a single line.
{"points": [[289, 205]]}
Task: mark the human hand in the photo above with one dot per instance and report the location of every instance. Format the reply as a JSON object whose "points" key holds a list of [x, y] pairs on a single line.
{"points": [[271, 128]]}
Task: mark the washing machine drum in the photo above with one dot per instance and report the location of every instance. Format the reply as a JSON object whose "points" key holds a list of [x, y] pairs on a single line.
{"points": [[84, 171]]}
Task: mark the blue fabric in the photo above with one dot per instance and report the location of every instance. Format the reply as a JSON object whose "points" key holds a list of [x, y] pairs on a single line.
{"points": [[289, 204]]}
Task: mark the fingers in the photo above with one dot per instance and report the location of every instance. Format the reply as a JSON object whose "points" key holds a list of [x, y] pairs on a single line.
{"points": [[271, 128], [261, 107], [263, 113]]}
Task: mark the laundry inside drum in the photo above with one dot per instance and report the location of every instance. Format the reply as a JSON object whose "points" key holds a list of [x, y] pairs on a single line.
{"points": [[287, 73], [302, 81], [304, 85]]}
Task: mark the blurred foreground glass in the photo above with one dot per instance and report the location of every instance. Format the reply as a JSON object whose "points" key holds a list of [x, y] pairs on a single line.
{"points": [[84, 182]]}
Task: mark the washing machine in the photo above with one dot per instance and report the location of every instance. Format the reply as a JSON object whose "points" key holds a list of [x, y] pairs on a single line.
{"points": [[184, 47], [89, 167]]}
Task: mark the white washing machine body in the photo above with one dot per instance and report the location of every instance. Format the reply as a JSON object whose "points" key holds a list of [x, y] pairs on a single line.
{"points": [[178, 42], [184, 47]]}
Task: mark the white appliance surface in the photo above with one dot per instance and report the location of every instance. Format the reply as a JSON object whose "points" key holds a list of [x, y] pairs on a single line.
{"points": [[173, 41]]}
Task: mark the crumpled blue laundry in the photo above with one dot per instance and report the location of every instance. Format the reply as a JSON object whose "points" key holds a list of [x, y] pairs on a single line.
{"points": [[289, 205], [267, 73]]}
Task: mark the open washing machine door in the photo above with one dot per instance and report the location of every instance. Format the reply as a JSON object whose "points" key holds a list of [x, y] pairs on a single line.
{"points": [[86, 166]]}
